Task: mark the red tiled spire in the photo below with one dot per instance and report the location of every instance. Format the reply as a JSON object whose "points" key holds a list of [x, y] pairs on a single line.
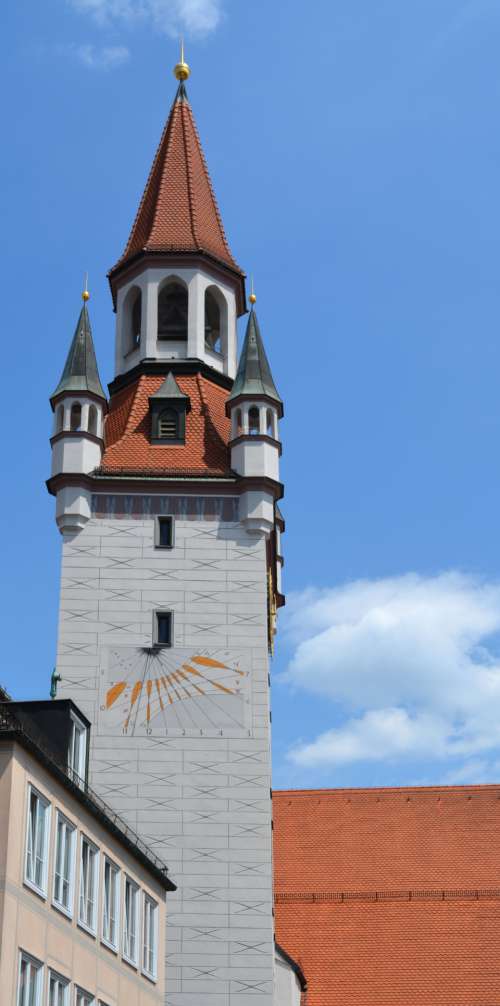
{"points": [[178, 211]]}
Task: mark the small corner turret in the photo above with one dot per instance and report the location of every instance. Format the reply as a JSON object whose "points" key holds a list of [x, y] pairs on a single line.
{"points": [[79, 406], [254, 407]]}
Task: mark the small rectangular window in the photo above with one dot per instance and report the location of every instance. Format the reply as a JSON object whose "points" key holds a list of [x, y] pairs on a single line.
{"points": [[58, 990], [164, 532], [36, 863], [89, 862], [162, 628], [150, 937], [130, 911], [29, 992], [64, 865], [111, 904], [84, 998], [77, 755]]}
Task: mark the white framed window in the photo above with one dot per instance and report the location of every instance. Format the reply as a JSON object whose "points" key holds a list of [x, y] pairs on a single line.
{"points": [[64, 865], [150, 937], [89, 876], [30, 980], [130, 920], [58, 990], [163, 624], [111, 904], [37, 841], [77, 754], [164, 532], [83, 998]]}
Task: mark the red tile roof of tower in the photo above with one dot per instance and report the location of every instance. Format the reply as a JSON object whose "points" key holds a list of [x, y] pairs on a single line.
{"points": [[178, 211], [127, 438]]}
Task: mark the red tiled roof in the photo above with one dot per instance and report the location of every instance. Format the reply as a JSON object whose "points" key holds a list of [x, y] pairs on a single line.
{"points": [[178, 211], [127, 430], [390, 897]]}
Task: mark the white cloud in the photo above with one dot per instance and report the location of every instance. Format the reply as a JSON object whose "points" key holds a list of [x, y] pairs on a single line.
{"points": [[102, 57], [409, 662], [195, 17]]}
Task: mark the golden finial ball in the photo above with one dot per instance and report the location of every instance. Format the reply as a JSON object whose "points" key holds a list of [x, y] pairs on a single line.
{"points": [[181, 70], [252, 298], [85, 295]]}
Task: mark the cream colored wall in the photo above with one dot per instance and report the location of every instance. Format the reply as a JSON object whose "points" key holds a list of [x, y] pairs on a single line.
{"points": [[30, 923]]}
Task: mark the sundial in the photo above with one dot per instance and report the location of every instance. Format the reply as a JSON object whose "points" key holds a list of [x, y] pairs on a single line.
{"points": [[176, 692]]}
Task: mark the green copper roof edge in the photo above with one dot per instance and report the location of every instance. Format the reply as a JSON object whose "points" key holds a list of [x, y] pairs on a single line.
{"points": [[169, 389], [80, 373], [254, 375]]}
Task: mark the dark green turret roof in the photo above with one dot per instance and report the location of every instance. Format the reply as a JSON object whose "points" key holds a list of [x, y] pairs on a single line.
{"points": [[254, 376], [80, 372], [169, 389]]}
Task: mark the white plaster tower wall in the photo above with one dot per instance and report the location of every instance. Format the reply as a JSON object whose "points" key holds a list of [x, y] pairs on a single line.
{"points": [[193, 778]]}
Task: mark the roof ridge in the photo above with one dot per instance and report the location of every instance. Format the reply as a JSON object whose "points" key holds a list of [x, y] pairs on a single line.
{"points": [[189, 176], [386, 789], [168, 134], [211, 189]]}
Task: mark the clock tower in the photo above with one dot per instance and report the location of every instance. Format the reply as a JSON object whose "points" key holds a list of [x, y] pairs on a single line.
{"points": [[166, 498]]}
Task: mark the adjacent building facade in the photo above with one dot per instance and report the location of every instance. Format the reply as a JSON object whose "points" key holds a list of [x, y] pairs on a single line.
{"points": [[82, 899]]}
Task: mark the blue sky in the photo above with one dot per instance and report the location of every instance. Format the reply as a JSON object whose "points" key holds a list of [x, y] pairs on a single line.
{"points": [[355, 152]]}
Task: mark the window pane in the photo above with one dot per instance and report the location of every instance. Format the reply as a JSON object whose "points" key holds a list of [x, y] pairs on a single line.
{"points": [[88, 884], [149, 936], [64, 863], [165, 529], [78, 750], [30, 973], [36, 841], [58, 990], [84, 998], [164, 627], [110, 903], [130, 921]]}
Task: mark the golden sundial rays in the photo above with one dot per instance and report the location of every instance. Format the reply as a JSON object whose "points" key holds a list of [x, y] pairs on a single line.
{"points": [[181, 690]]}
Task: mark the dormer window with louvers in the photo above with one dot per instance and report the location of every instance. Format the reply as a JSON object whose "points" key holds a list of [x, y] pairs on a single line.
{"points": [[168, 425], [168, 408]]}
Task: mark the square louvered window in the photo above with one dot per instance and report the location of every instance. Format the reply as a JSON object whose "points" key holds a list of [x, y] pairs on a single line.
{"points": [[168, 425]]}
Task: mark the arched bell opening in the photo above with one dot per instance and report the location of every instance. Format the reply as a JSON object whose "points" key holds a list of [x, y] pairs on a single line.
{"points": [[92, 421], [253, 420], [75, 421], [173, 310], [132, 317]]}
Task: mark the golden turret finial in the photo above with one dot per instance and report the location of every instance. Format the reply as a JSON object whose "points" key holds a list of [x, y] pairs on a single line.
{"points": [[85, 292], [181, 69], [252, 298]]}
